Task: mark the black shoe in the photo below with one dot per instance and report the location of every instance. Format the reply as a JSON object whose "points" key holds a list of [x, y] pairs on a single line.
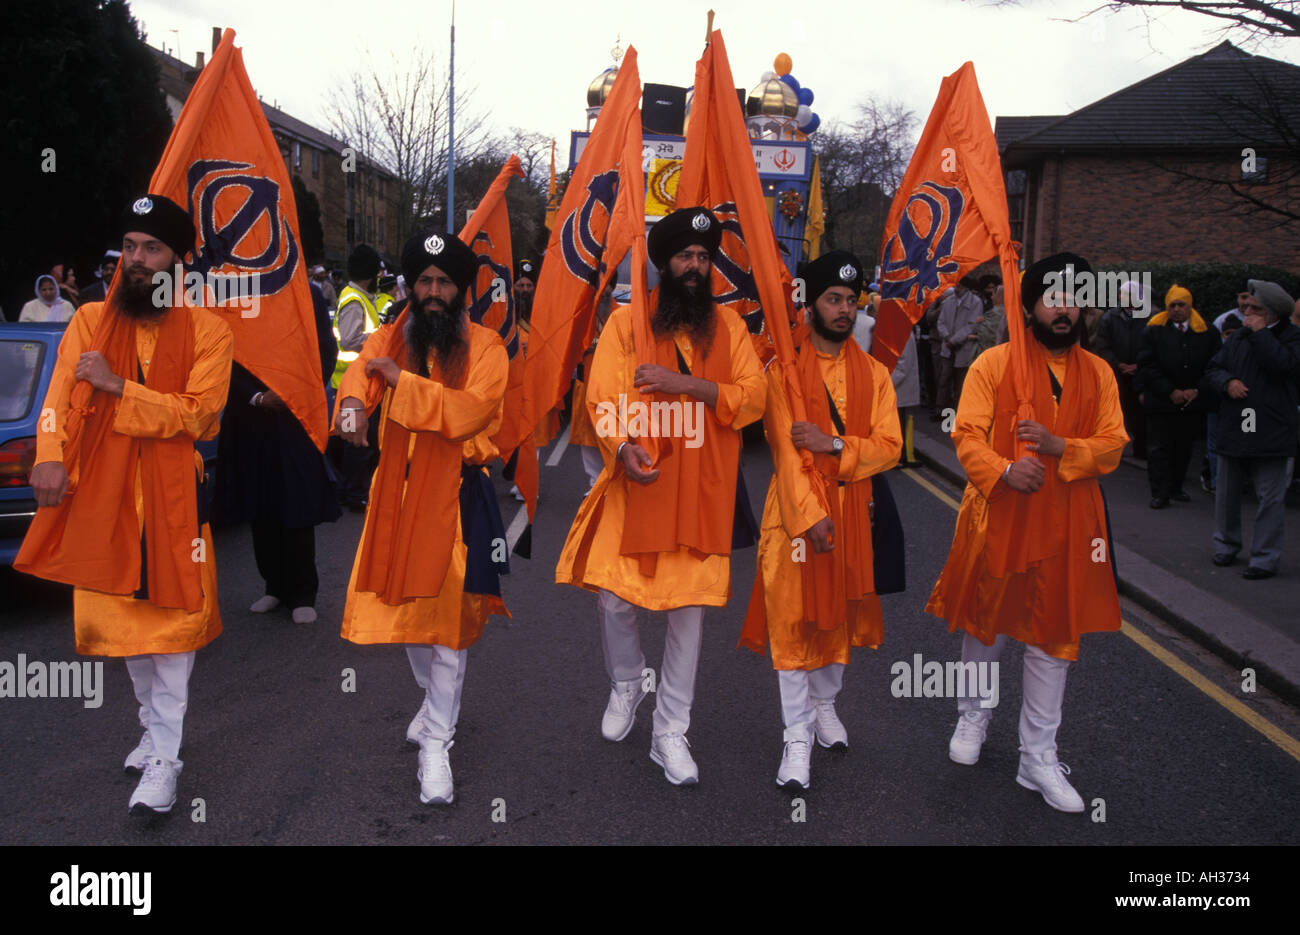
{"points": [[1224, 560], [1181, 496], [1159, 503], [1255, 574]]}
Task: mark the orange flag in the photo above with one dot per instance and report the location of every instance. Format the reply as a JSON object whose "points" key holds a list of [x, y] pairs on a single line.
{"points": [[552, 206], [225, 167], [949, 215], [584, 250], [718, 170], [491, 303]]}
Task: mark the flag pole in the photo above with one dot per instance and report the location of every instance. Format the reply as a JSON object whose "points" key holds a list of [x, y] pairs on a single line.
{"points": [[451, 129]]}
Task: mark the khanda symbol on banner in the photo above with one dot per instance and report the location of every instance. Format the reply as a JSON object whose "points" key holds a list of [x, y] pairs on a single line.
{"points": [[914, 260], [585, 232], [484, 306], [254, 238]]}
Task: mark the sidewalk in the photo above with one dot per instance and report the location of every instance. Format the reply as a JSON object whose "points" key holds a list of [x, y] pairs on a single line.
{"points": [[1163, 561]]}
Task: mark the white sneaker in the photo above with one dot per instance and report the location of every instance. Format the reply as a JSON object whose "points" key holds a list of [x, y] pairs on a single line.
{"points": [[304, 615], [672, 752], [435, 772], [157, 789], [829, 730], [1046, 774], [416, 728], [139, 758], [796, 766], [264, 603], [972, 727], [514, 492], [620, 713]]}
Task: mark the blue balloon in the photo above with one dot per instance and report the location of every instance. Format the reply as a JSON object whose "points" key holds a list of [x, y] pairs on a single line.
{"points": [[806, 96], [811, 126], [789, 80]]}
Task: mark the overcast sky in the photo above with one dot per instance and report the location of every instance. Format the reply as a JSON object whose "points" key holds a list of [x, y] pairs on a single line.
{"points": [[529, 63]]}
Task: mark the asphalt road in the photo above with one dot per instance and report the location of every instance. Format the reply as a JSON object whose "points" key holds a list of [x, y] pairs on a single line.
{"points": [[280, 754]]}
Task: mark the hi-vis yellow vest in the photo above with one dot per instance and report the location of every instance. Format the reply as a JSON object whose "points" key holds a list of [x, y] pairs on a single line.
{"points": [[370, 322]]}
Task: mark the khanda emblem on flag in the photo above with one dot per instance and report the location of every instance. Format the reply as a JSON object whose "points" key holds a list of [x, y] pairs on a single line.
{"points": [[921, 251], [241, 229], [732, 266], [586, 231], [491, 303]]}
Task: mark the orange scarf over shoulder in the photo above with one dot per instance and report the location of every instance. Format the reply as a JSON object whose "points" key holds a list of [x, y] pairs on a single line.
{"points": [[410, 528], [1025, 528], [693, 500], [92, 538], [834, 581]]}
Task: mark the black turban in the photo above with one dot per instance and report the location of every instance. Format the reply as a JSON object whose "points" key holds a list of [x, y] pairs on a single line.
{"points": [[363, 263], [837, 268], [445, 251], [161, 218], [527, 270], [1041, 276], [685, 227]]}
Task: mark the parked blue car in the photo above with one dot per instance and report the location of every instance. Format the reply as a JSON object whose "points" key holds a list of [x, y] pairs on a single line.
{"points": [[28, 351]]}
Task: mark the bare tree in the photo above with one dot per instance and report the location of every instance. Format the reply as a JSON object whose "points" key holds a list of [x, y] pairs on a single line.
{"points": [[862, 164], [397, 119]]}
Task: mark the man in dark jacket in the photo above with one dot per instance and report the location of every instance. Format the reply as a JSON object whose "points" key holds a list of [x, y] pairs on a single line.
{"points": [[1176, 347], [1118, 339], [1257, 376]]}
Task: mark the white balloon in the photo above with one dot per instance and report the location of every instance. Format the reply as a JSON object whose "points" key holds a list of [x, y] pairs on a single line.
{"points": [[803, 115], [769, 76]]}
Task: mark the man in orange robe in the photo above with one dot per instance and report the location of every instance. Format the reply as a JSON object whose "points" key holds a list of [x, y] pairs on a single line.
{"points": [[656, 532], [810, 606], [1031, 554], [441, 380], [140, 378]]}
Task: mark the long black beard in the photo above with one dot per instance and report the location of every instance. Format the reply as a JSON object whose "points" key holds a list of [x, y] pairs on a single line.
{"points": [[683, 308], [136, 300], [826, 333], [523, 306], [443, 332], [1045, 336]]}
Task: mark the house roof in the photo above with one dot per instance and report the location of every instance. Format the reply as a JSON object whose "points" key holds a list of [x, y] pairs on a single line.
{"points": [[1223, 99], [285, 124]]}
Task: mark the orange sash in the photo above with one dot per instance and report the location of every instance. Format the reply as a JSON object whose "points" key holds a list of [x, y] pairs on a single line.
{"points": [[693, 501], [1025, 528], [834, 581], [92, 538], [407, 546]]}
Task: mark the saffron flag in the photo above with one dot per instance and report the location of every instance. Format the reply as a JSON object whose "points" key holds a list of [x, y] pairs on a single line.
{"points": [[948, 216], [225, 167], [552, 206], [491, 303], [816, 213], [584, 250]]}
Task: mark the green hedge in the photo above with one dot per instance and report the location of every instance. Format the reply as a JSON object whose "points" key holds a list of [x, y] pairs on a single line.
{"points": [[1213, 286]]}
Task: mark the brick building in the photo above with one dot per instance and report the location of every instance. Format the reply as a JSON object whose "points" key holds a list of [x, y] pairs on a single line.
{"points": [[355, 207], [1121, 180]]}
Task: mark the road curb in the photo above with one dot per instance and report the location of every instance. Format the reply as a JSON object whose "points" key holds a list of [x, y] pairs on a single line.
{"points": [[1239, 639]]}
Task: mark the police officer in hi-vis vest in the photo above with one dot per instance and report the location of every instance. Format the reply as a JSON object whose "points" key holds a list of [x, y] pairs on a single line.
{"points": [[357, 316]]}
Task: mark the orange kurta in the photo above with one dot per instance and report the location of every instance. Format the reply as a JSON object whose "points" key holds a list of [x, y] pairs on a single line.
{"points": [[792, 509], [453, 619], [1032, 607], [591, 557], [115, 624]]}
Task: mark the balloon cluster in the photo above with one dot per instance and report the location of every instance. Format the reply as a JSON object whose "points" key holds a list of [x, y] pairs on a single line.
{"points": [[805, 119]]}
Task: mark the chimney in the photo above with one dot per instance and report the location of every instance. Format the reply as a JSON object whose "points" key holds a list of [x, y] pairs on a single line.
{"points": [[216, 37], [198, 60]]}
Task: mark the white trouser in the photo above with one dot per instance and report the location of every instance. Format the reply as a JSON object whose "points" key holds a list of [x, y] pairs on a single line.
{"points": [[624, 661], [801, 691], [592, 463], [1044, 691], [162, 686], [441, 673]]}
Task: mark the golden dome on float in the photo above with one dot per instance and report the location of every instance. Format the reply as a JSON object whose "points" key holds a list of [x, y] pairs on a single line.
{"points": [[772, 98], [600, 86]]}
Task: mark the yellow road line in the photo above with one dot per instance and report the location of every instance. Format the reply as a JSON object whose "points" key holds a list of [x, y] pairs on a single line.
{"points": [[1289, 745]]}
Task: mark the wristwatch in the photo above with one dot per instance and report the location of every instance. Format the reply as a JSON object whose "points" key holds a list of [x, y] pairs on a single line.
{"points": [[837, 446]]}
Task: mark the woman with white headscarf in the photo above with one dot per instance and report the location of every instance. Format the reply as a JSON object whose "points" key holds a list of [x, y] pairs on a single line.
{"points": [[48, 304]]}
